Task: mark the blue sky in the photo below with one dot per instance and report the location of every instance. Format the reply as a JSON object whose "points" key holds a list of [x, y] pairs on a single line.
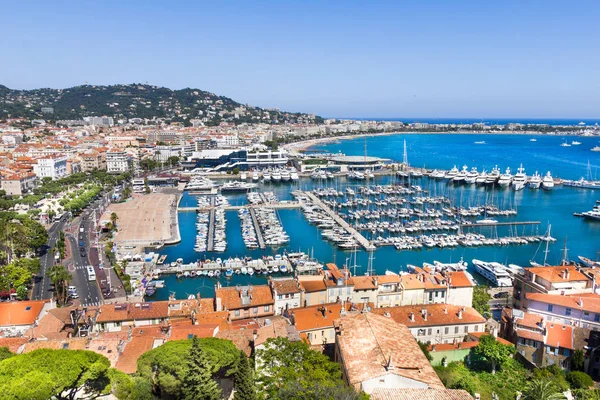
{"points": [[479, 59]]}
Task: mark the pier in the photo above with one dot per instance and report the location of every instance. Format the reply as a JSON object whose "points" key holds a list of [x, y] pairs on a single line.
{"points": [[211, 230], [281, 205], [340, 221], [501, 223], [259, 236]]}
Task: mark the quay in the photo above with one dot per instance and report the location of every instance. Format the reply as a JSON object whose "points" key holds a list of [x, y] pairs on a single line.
{"points": [[259, 236], [235, 264], [211, 230], [340, 221], [281, 205], [501, 224]]}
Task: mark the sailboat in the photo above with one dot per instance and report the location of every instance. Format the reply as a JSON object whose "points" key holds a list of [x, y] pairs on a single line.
{"points": [[547, 238]]}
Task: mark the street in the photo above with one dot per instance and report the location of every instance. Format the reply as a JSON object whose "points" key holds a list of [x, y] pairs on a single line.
{"points": [[41, 289], [88, 291]]}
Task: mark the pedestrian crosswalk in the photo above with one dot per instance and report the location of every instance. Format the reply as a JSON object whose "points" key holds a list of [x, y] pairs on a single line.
{"points": [[90, 304]]}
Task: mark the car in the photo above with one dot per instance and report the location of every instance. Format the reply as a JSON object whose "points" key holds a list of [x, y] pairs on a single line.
{"points": [[81, 243], [501, 295], [71, 287]]}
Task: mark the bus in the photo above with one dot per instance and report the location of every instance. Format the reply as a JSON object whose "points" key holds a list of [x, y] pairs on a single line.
{"points": [[91, 273]]}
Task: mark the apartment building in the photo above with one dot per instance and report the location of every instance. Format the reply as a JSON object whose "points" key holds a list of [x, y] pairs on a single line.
{"points": [[245, 301], [52, 166], [286, 293], [117, 162]]}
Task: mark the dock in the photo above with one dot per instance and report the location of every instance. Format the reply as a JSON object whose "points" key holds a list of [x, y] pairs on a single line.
{"points": [[259, 236], [341, 222], [281, 205], [501, 224], [211, 230]]}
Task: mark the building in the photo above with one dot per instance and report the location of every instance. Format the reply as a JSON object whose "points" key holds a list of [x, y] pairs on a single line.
{"points": [[17, 184], [313, 288], [91, 161], [18, 317], [286, 293], [51, 166], [376, 352], [580, 310], [245, 302], [436, 323], [316, 323], [365, 289], [550, 280], [265, 159], [117, 162], [538, 341], [99, 121], [421, 394]]}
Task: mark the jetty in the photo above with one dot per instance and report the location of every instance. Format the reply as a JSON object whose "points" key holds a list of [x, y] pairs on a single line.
{"points": [[259, 236], [211, 230], [340, 221], [280, 205], [475, 224]]}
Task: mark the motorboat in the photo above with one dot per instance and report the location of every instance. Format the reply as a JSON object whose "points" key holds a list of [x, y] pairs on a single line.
{"points": [[481, 178], [435, 174], [276, 176], [575, 143], [462, 175], [459, 266], [266, 176], [535, 181], [255, 176], [565, 144], [243, 176], [472, 176], [285, 175], [493, 176], [493, 272], [236, 186], [505, 179], [520, 179], [294, 176], [533, 140], [452, 173], [548, 182], [594, 214]]}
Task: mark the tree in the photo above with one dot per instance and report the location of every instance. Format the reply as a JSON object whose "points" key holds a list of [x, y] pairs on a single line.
{"points": [[236, 171], [245, 388], [578, 360], [198, 383], [491, 352], [481, 300], [113, 219], [59, 374], [59, 275], [541, 389], [284, 364], [22, 293], [579, 380], [5, 353], [425, 349]]}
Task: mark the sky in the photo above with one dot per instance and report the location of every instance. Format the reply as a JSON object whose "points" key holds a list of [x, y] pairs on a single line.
{"points": [[430, 59]]}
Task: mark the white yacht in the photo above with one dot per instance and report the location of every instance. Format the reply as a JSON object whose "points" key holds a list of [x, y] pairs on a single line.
{"points": [[533, 140], [565, 144], [285, 175], [276, 176], [294, 175], [266, 176], [452, 173], [255, 176], [505, 179], [548, 181], [235, 186], [575, 143], [481, 178], [243, 176], [461, 176], [435, 174], [472, 176], [458, 266], [199, 183], [535, 181], [594, 214], [493, 176], [520, 179], [493, 272]]}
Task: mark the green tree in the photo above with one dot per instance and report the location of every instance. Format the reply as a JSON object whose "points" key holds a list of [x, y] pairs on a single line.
{"points": [[5, 353], [58, 374], [198, 383], [425, 349], [481, 300], [245, 388], [22, 293], [585, 394], [578, 360], [113, 219], [492, 353], [541, 389], [236, 171], [283, 363], [59, 275], [579, 380]]}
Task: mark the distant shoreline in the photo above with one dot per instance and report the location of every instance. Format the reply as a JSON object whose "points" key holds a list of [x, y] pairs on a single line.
{"points": [[305, 145]]}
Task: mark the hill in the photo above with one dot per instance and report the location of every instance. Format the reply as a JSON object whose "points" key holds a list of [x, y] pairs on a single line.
{"points": [[137, 101]]}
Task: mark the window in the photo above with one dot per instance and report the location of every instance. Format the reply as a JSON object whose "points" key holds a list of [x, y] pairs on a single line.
{"points": [[429, 331], [421, 332], [446, 330], [585, 313], [476, 328], [550, 307], [466, 329], [279, 297], [568, 312], [456, 329], [237, 313], [255, 310], [267, 308], [597, 317]]}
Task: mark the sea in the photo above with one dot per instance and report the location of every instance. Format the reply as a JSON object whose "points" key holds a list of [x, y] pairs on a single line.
{"points": [[433, 151]]}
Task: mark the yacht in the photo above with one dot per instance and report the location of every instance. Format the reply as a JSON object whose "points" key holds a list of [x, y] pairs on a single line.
{"points": [[234, 186], [294, 176], [266, 176], [255, 176], [596, 148], [565, 144], [320, 175], [533, 140], [452, 173], [356, 175], [472, 176], [594, 214], [548, 182], [575, 143], [481, 178], [493, 272], [276, 176], [435, 174], [285, 175], [461, 176], [535, 181], [505, 179], [520, 179], [243, 176], [493, 176], [199, 183], [459, 266]]}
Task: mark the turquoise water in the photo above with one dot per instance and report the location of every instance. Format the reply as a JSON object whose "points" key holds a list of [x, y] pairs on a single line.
{"points": [[433, 151]]}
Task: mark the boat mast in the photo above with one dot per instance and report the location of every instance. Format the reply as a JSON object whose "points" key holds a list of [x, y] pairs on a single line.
{"points": [[565, 258], [547, 242], [370, 264]]}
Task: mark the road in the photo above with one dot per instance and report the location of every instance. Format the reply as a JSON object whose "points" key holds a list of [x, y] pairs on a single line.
{"points": [[41, 289], [88, 291]]}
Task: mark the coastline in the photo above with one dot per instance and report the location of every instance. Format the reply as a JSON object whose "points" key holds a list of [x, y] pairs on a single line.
{"points": [[305, 145]]}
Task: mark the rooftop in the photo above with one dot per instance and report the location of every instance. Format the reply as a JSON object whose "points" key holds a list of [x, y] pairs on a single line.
{"points": [[557, 274], [421, 394], [20, 312], [317, 316], [233, 298], [437, 314]]}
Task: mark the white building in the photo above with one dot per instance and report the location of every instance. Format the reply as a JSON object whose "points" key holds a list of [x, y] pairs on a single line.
{"points": [[51, 166], [117, 162], [286, 293], [99, 121]]}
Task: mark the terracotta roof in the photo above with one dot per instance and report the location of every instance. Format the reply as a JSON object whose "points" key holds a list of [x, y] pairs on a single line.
{"points": [[143, 339], [388, 279], [559, 335], [529, 320], [452, 346], [589, 302], [316, 317], [459, 279], [477, 336], [242, 339], [231, 297], [285, 286], [368, 341], [526, 334], [13, 343], [555, 274], [20, 312], [411, 281], [47, 325], [312, 286], [364, 283], [435, 315], [133, 311], [184, 332], [421, 394]]}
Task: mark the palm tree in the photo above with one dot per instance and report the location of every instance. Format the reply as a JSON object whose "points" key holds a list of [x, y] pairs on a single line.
{"points": [[542, 389], [59, 275], [113, 219]]}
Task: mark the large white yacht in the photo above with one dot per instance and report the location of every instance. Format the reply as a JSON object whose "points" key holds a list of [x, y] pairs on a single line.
{"points": [[535, 181], [480, 180], [505, 179], [452, 173], [493, 272], [276, 176], [493, 176], [520, 179], [285, 175], [548, 181], [472, 176], [461, 176], [594, 214]]}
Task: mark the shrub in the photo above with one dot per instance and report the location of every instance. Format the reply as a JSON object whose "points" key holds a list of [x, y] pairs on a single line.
{"points": [[579, 380]]}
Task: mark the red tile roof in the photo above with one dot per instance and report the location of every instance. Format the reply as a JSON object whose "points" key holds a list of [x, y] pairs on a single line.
{"points": [[20, 312], [555, 274], [588, 302], [437, 314], [231, 297], [421, 394], [316, 317]]}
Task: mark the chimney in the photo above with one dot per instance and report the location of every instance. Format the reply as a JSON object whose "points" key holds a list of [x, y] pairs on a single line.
{"points": [[460, 313], [567, 273], [424, 314], [218, 304], [412, 317], [376, 281], [580, 302], [445, 310], [390, 364], [324, 311]]}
